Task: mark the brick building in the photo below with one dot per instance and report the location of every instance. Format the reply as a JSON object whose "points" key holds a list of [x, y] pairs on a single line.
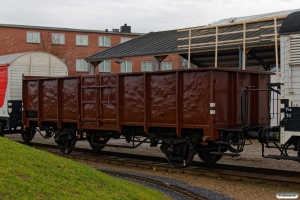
{"points": [[73, 45]]}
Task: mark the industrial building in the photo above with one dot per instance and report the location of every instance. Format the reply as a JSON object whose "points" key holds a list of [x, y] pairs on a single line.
{"points": [[72, 46]]}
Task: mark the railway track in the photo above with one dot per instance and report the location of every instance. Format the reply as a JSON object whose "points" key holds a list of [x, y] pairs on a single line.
{"points": [[224, 171], [180, 190]]}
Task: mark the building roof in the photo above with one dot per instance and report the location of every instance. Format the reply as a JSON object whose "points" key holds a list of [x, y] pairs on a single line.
{"points": [[256, 32], [254, 17], [153, 43], [66, 29], [35, 63], [291, 24], [7, 59]]}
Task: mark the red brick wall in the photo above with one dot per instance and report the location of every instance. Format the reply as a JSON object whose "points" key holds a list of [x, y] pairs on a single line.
{"points": [[13, 40], [137, 63]]}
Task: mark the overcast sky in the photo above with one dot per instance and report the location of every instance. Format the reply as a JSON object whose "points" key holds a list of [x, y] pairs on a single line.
{"points": [[143, 16]]}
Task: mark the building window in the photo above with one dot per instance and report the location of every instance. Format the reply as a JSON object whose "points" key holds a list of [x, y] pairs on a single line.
{"points": [[82, 40], [147, 66], [166, 66], [125, 39], [33, 37], [58, 38], [104, 41], [81, 65], [104, 66], [126, 66]]}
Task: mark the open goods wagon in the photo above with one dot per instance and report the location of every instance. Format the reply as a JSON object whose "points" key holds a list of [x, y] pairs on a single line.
{"points": [[184, 110]]}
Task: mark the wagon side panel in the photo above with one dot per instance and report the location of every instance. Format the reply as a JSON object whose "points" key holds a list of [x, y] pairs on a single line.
{"points": [[195, 99], [68, 100], [48, 100], [162, 100], [223, 104], [133, 100], [89, 99], [107, 102], [242, 79], [30, 101], [262, 104], [257, 109]]}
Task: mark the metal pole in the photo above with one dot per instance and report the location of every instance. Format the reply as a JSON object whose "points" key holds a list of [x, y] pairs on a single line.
{"points": [[244, 47], [276, 49], [216, 48], [189, 54]]}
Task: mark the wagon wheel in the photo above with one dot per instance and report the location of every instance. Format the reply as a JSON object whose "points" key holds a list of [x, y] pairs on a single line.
{"points": [[233, 148], [179, 155], [206, 157], [66, 142], [28, 134], [98, 148], [290, 146]]}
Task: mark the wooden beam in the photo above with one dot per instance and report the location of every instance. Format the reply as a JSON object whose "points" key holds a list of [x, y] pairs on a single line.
{"points": [[244, 47], [276, 49], [226, 48], [220, 42], [189, 54], [271, 26], [224, 33], [216, 48]]}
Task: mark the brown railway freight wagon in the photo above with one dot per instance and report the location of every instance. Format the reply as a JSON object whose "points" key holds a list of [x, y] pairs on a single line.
{"points": [[187, 111]]}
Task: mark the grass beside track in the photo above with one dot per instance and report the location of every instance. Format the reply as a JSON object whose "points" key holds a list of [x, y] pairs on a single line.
{"points": [[28, 173]]}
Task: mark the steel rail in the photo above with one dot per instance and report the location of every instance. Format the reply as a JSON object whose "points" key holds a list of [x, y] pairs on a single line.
{"points": [[180, 190], [224, 171]]}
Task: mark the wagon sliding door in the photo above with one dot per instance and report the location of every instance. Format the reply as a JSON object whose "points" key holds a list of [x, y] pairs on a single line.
{"points": [[98, 102]]}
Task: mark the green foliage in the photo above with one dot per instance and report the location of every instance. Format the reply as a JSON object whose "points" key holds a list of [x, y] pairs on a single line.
{"points": [[28, 173]]}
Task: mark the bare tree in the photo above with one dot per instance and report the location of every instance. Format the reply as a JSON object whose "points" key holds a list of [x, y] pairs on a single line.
{"points": [[51, 45]]}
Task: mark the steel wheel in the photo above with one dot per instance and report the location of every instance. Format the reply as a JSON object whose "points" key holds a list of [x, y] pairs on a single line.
{"points": [[206, 157], [233, 148], [179, 155], [289, 146], [28, 135], [68, 144], [66, 141], [98, 148]]}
